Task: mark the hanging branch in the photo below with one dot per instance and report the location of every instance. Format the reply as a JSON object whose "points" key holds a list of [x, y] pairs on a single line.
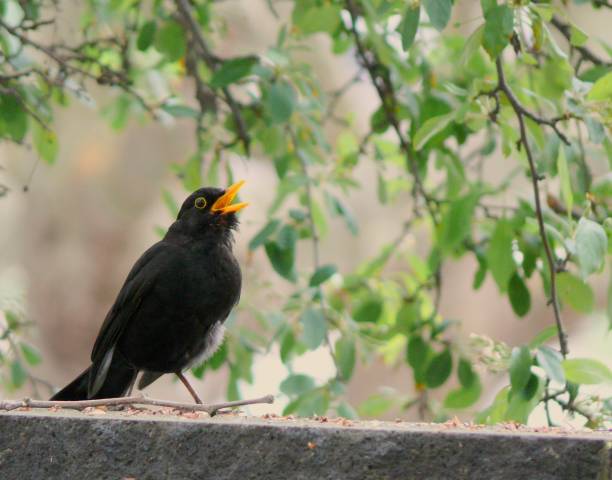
{"points": [[586, 54], [521, 112], [65, 63], [213, 63], [386, 93], [211, 409], [314, 235]]}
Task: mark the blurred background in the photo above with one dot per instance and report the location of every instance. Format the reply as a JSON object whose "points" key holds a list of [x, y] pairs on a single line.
{"points": [[68, 241]]}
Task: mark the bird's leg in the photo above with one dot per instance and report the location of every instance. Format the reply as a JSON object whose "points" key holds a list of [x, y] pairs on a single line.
{"points": [[189, 387], [130, 388]]}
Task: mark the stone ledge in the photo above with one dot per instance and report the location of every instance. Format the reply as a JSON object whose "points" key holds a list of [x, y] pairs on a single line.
{"points": [[59, 445]]}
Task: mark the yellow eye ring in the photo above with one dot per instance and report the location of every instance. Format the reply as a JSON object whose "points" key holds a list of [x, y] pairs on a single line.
{"points": [[200, 203]]}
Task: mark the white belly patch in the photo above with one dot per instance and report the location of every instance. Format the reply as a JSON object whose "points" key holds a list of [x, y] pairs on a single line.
{"points": [[214, 339]]}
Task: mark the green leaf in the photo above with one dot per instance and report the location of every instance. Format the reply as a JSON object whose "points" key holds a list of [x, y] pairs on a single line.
{"points": [[407, 315], [297, 384], [280, 102], [376, 405], [287, 345], [409, 25], [12, 319], [318, 216], [521, 404], [218, 358], [487, 5], [602, 89], [13, 117], [499, 254], [338, 208], [31, 355], [564, 177], [322, 274], [531, 388], [586, 371], [18, 374], [368, 310], [344, 410], [264, 234], [456, 224], [543, 336], [499, 23], [310, 18], [472, 45], [466, 374], [550, 361], [591, 246], [520, 368], [439, 369], [146, 35], [520, 299], [438, 11], [464, 397], [170, 41], [495, 413], [45, 143], [232, 70], [577, 36], [313, 403], [314, 328], [192, 173], [576, 293], [417, 352], [281, 252], [430, 128], [345, 357]]}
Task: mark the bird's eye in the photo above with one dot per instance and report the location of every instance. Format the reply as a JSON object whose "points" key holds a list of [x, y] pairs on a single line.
{"points": [[200, 203]]}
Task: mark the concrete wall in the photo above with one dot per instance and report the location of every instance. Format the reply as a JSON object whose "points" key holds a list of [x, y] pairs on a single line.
{"points": [[57, 445]]}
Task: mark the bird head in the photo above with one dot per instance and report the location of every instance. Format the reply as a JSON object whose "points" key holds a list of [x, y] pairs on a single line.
{"points": [[209, 210]]}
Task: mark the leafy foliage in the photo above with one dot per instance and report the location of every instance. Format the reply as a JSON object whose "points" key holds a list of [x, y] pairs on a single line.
{"points": [[447, 104]]}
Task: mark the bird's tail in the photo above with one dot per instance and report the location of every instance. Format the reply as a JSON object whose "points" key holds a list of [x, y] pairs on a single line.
{"points": [[118, 380]]}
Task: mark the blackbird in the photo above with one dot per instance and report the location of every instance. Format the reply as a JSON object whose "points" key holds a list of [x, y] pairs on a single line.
{"points": [[169, 313]]}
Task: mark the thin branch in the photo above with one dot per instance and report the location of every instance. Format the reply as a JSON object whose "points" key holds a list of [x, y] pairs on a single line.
{"points": [[314, 235], [107, 77], [586, 54], [571, 407], [386, 94], [520, 112], [551, 122], [212, 62], [211, 409]]}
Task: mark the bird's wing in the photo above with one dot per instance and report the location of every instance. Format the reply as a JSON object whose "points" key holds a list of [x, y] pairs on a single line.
{"points": [[137, 285]]}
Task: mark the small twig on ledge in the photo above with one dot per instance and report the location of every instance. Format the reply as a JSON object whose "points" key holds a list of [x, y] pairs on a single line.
{"points": [[520, 113], [211, 409]]}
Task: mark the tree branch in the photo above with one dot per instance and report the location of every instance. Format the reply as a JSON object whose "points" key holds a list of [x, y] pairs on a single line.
{"points": [[107, 76], [314, 235], [211, 409], [212, 62], [386, 94], [520, 113], [565, 30]]}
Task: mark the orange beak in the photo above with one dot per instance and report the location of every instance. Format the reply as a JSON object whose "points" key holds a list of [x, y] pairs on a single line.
{"points": [[223, 204]]}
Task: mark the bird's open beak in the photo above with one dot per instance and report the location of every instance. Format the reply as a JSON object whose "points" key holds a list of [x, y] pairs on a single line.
{"points": [[223, 204]]}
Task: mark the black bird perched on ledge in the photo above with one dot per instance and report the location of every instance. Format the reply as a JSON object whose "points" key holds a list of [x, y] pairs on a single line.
{"points": [[170, 311]]}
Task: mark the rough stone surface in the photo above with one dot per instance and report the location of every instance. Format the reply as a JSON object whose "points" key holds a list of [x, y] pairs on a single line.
{"points": [[40, 445]]}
